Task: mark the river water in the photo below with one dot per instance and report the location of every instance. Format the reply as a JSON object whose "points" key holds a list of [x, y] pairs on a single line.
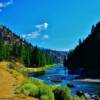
{"points": [[60, 73]]}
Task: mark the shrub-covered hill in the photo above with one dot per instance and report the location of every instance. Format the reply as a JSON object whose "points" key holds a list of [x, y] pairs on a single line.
{"points": [[85, 58], [12, 47]]}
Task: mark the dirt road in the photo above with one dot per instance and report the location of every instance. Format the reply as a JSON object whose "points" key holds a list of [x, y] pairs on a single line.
{"points": [[7, 87]]}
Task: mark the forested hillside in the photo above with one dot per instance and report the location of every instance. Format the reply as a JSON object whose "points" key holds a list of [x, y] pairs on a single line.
{"points": [[85, 58], [12, 47]]}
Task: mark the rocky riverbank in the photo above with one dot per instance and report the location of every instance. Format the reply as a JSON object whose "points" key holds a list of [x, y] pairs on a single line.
{"points": [[89, 80], [81, 93]]}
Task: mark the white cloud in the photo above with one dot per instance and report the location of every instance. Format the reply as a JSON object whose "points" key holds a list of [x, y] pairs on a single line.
{"points": [[0, 10], [46, 36], [9, 2], [5, 4], [37, 33], [23, 36], [31, 35], [1, 5], [43, 26]]}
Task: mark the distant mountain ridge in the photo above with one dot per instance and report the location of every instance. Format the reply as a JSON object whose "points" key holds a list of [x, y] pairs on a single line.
{"points": [[58, 55]]}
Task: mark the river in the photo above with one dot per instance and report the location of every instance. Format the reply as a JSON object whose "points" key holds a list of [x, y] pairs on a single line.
{"points": [[59, 72]]}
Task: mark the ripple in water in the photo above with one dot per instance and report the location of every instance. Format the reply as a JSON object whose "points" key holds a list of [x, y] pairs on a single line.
{"points": [[60, 73]]}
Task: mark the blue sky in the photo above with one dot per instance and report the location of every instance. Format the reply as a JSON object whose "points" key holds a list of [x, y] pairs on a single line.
{"points": [[55, 24]]}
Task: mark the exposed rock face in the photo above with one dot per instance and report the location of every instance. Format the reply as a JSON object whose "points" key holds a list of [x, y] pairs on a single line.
{"points": [[9, 37]]}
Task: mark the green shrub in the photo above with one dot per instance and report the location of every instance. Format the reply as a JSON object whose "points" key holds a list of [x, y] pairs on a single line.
{"points": [[38, 73], [78, 98], [30, 89], [46, 90], [44, 97], [62, 93], [10, 66], [37, 88]]}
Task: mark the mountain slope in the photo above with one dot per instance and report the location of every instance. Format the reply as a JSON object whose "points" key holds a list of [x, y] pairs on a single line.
{"points": [[85, 58], [15, 48], [9, 37], [58, 55]]}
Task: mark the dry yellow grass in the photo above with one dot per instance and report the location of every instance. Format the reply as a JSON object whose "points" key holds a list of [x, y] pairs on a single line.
{"points": [[9, 81], [6, 84], [39, 69]]}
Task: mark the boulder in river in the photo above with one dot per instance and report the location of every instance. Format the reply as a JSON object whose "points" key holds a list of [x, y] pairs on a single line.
{"points": [[79, 93], [95, 97], [70, 85], [87, 96], [56, 80]]}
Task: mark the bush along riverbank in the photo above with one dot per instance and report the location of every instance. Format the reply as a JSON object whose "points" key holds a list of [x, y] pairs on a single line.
{"points": [[38, 71], [38, 89], [43, 68], [78, 92], [34, 88]]}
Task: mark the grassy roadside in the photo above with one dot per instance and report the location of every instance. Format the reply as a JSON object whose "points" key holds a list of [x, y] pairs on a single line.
{"points": [[11, 79], [43, 68]]}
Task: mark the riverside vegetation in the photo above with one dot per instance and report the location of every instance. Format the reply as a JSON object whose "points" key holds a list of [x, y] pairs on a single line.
{"points": [[37, 88], [16, 57], [32, 88]]}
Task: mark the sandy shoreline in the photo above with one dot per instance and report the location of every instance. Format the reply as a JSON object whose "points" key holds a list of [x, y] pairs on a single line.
{"points": [[89, 80]]}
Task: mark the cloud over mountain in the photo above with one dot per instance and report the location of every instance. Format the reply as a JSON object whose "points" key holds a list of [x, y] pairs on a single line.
{"points": [[38, 32], [31, 35]]}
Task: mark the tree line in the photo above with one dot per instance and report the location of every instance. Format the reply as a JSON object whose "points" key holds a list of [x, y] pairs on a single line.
{"points": [[85, 58], [26, 54]]}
